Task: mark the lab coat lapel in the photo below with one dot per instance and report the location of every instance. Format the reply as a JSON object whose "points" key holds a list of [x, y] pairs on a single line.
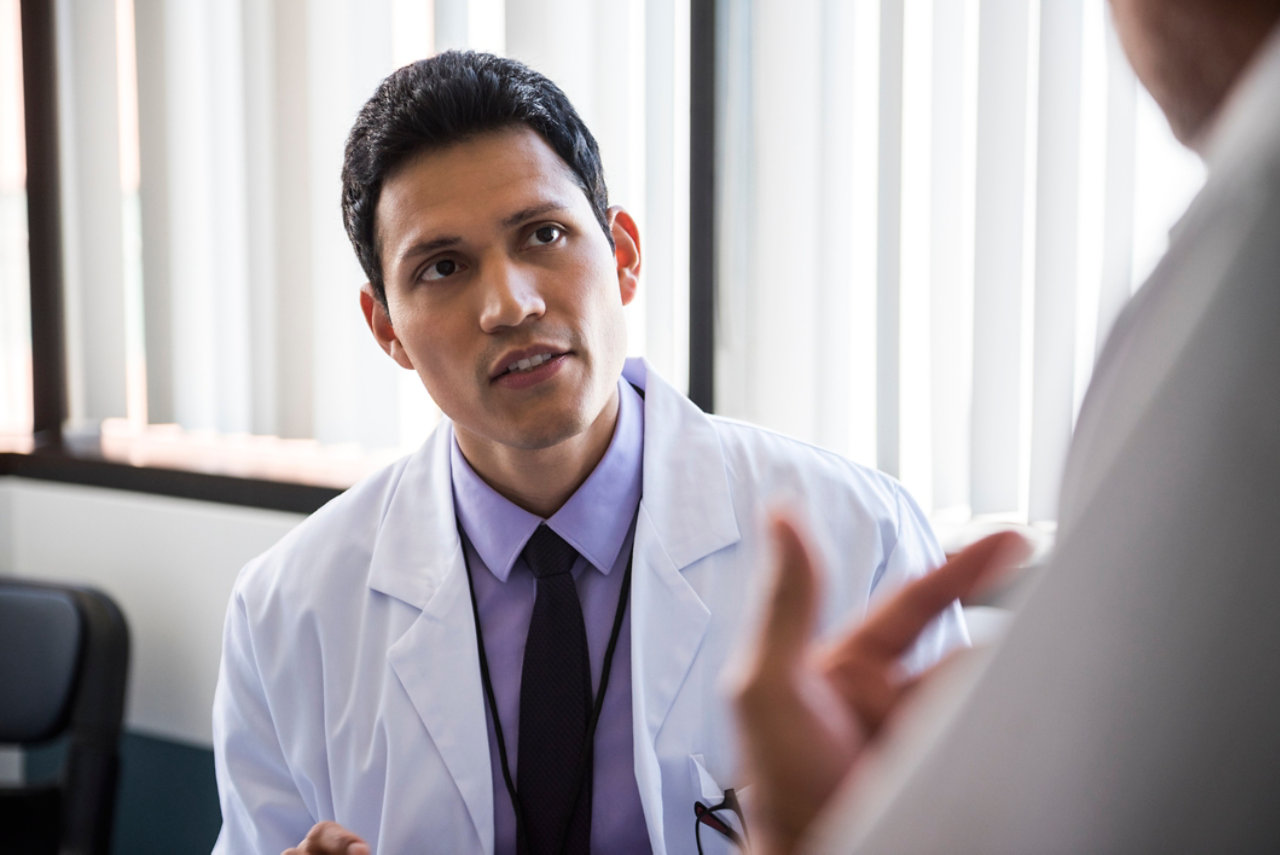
{"points": [[685, 515], [418, 559]]}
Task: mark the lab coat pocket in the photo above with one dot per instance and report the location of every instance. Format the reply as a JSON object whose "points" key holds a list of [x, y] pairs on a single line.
{"points": [[718, 816]]}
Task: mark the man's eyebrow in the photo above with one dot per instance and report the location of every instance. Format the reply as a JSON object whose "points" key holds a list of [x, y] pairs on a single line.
{"points": [[526, 214], [426, 247]]}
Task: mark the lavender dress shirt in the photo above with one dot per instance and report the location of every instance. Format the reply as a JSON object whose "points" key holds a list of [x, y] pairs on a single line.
{"points": [[597, 521]]}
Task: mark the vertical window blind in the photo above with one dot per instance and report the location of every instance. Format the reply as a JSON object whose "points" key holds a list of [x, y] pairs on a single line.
{"points": [[931, 214]]}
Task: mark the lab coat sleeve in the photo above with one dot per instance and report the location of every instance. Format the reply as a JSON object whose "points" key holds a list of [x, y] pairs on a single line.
{"points": [[914, 553], [262, 809]]}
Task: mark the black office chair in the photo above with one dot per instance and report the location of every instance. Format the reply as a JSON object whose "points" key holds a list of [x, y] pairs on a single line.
{"points": [[64, 656]]}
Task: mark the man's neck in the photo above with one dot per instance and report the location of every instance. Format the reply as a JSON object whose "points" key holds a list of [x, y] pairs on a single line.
{"points": [[541, 480]]}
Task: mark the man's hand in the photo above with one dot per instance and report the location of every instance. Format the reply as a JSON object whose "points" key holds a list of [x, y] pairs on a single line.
{"points": [[329, 838], [805, 713]]}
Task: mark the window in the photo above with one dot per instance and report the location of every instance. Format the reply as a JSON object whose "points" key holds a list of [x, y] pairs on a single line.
{"points": [[931, 214], [928, 215], [211, 292]]}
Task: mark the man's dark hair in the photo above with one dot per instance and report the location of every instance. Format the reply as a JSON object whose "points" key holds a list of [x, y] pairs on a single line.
{"points": [[446, 99]]}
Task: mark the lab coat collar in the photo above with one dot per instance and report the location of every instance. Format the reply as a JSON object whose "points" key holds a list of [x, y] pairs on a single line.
{"points": [[418, 545], [686, 482]]}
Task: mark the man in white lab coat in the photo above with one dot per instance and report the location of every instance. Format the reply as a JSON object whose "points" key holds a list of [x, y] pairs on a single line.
{"points": [[371, 674], [1133, 704]]}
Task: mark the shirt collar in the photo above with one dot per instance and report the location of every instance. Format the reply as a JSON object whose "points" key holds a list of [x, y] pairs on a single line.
{"points": [[1245, 123], [594, 521], [1243, 132]]}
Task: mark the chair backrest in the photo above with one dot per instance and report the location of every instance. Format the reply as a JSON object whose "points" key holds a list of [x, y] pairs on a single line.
{"points": [[64, 659]]}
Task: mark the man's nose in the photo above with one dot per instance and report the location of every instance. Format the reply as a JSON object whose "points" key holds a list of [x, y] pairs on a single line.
{"points": [[510, 296]]}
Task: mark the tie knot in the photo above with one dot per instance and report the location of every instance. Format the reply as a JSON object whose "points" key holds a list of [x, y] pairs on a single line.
{"points": [[547, 554]]}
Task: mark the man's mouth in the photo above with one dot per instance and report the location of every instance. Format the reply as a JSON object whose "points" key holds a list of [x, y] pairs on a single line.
{"points": [[527, 364], [528, 361]]}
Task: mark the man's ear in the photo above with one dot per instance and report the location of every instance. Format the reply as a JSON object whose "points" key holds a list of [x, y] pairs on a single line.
{"points": [[379, 321], [626, 251]]}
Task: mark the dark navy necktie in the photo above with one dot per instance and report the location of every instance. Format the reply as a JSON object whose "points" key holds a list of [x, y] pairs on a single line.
{"points": [[553, 780]]}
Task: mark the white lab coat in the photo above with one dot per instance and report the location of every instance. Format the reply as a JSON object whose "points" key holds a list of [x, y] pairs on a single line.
{"points": [[350, 687]]}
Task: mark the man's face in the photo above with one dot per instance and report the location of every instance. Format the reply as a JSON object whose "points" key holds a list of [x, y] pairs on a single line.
{"points": [[503, 293]]}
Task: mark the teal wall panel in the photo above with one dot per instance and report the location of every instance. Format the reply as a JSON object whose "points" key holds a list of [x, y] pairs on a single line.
{"points": [[168, 798]]}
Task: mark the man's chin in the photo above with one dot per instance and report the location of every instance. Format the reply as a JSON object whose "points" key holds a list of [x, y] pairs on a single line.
{"points": [[546, 424], [547, 436]]}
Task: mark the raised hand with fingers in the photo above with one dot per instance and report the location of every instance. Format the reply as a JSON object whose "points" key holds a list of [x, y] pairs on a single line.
{"points": [[806, 711]]}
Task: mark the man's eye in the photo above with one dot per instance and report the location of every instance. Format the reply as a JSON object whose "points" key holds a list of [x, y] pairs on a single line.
{"points": [[440, 269], [544, 235]]}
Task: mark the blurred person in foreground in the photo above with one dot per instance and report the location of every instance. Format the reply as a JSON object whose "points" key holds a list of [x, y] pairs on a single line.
{"points": [[1133, 704]]}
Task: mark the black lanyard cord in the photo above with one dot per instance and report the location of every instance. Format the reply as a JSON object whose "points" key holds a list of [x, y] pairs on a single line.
{"points": [[521, 844], [588, 752]]}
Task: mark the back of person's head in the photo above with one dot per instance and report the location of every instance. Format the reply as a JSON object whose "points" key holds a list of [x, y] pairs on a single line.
{"points": [[446, 99]]}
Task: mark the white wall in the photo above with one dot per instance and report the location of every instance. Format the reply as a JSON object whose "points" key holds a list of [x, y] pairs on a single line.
{"points": [[169, 563]]}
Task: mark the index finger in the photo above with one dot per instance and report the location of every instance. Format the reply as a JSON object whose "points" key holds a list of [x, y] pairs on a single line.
{"points": [[896, 624], [790, 614]]}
